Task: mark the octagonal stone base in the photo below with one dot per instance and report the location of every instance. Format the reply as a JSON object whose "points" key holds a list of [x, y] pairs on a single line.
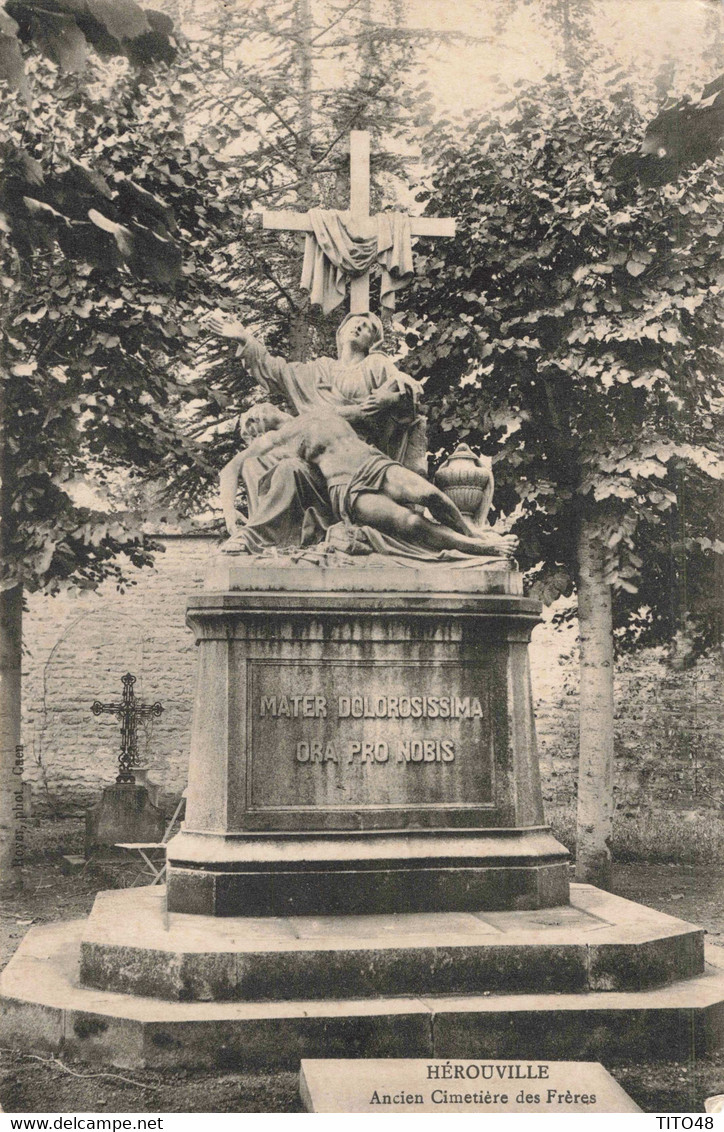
{"points": [[597, 942], [134, 986]]}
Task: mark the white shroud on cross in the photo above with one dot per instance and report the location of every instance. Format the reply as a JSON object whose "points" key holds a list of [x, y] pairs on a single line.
{"points": [[359, 169]]}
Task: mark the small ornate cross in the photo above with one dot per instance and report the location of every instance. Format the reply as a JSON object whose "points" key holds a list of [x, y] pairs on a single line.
{"points": [[359, 206], [129, 711]]}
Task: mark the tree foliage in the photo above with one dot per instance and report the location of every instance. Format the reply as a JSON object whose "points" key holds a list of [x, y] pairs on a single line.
{"points": [[684, 133], [63, 30], [583, 348], [99, 327], [72, 205]]}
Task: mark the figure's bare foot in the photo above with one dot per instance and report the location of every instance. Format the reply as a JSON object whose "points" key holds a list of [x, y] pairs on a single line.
{"points": [[486, 543], [236, 543], [496, 543]]}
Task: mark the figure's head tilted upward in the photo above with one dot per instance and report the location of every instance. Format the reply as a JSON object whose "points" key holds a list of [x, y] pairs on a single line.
{"points": [[365, 329]]}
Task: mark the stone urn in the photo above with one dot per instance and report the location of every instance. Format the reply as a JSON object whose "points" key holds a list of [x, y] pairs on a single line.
{"points": [[466, 479]]}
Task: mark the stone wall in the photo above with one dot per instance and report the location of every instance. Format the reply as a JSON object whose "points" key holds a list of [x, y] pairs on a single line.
{"points": [[79, 647], [669, 726]]}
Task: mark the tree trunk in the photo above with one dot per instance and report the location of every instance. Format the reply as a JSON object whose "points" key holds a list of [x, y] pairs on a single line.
{"points": [[299, 331], [719, 567], [11, 637], [595, 768], [565, 10], [11, 752]]}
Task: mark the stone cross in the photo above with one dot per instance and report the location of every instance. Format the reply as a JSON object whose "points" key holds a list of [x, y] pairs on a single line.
{"points": [[359, 207], [129, 711]]}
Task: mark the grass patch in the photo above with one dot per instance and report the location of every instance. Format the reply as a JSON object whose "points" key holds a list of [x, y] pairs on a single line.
{"points": [[653, 837], [48, 839], [562, 820], [664, 837]]}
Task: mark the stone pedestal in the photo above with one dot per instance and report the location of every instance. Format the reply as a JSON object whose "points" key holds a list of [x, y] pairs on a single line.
{"points": [[140, 775], [363, 742], [365, 858], [126, 812]]}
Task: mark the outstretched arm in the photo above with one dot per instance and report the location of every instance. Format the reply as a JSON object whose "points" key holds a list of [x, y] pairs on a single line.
{"points": [[226, 326], [273, 373]]}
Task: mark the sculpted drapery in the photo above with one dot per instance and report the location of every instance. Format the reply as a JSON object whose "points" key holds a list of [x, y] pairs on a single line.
{"points": [[335, 251], [346, 464], [288, 503]]}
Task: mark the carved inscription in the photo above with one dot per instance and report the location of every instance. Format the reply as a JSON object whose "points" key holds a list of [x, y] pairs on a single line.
{"points": [[408, 740], [374, 707], [413, 751]]}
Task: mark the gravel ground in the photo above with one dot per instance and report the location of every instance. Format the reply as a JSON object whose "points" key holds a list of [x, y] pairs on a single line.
{"points": [[34, 1084]]}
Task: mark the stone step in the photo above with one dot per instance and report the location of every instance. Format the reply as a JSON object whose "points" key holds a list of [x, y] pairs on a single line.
{"points": [[599, 942], [45, 1009]]}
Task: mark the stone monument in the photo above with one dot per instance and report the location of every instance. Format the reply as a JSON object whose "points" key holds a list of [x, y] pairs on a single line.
{"points": [[363, 736], [364, 869]]}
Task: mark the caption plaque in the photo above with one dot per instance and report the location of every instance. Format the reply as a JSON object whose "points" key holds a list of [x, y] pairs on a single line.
{"points": [[415, 1085], [365, 734]]}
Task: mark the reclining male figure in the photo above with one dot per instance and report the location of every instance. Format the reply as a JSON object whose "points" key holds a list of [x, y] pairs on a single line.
{"points": [[365, 486]]}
